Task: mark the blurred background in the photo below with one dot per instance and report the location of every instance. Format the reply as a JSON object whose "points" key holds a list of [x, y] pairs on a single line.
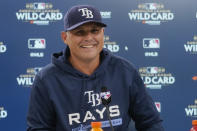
{"points": [[158, 36]]}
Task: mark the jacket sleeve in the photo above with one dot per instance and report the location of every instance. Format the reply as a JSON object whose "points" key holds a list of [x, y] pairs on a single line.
{"points": [[40, 116], [142, 108]]}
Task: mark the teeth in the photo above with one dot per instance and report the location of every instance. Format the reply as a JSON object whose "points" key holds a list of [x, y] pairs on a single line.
{"points": [[88, 46]]}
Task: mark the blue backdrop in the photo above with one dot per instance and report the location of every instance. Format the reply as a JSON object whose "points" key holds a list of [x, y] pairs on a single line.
{"points": [[159, 37]]}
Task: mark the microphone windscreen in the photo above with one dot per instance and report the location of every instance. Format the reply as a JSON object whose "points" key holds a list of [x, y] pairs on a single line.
{"points": [[105, 96]]}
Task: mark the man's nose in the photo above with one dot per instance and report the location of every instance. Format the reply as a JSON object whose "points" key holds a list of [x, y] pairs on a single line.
{"points": [[89, 35]]}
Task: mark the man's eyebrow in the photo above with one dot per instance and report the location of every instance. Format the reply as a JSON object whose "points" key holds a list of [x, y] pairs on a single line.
{"points": [[77, 29], [83, 28], [95, 26]]}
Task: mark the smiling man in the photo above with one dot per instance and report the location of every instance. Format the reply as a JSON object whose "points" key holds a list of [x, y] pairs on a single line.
{"points": [[85, 43], [66, 93]]}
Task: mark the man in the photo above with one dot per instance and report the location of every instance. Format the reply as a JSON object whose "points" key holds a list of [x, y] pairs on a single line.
{"points": [[66, 93]]}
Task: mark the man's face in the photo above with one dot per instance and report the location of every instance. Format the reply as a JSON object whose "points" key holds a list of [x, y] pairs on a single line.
{"points": [[85, 42]]}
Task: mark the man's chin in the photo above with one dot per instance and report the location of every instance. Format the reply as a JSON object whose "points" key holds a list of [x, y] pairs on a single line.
{"points": [[90, 57]]}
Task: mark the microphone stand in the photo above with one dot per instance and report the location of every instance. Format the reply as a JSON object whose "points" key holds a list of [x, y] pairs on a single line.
{"points": [[106, 102], [108, 114]]}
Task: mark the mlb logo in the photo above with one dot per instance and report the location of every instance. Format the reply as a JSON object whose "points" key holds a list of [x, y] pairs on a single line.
{"points": [[152, 70], [151, 43], [158, 106], [39, 6], [151, 6], [39, 43]]}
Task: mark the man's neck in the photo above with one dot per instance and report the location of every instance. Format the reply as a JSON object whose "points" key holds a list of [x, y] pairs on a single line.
{"points": [[87, 67]]}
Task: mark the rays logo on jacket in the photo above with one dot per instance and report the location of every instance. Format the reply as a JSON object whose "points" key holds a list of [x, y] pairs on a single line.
{"points": [[98, 113], [93, 98]]}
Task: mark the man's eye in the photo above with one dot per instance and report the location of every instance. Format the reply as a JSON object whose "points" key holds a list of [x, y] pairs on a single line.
{"points": [[80, 32], [94, 31]]}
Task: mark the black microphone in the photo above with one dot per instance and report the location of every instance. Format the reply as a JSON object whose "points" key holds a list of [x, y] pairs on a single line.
{"points": [[105, 96], [106, 99]]}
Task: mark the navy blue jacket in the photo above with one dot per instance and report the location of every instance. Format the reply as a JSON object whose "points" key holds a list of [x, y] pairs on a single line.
{"points": [[64, 99]]}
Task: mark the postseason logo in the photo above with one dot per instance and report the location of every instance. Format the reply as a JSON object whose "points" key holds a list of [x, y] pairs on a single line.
{"points": [[26, 80], [39, 13], [36, 44], [151, 14], [156, 77], [191, 110], [106, 14], [191, 46], [3, 113], [3, 48], [112, 45], [150, 44]]}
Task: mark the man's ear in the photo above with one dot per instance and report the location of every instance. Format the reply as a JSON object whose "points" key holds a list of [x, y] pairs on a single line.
{"points": [[64, 36], [103, 30]]}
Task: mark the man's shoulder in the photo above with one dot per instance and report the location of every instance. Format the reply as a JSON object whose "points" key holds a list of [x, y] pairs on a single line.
{"points": [[47, 71]]}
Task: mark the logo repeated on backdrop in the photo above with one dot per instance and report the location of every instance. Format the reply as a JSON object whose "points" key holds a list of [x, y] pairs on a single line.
{"points": [[3, 47], [36, 45], [151, 14], [39, 13], [191, 110], [158, 106], [156, 77], [191, 46], [151, 45], [112, 45], [196, 15], [26, 80], [3, 113], [105, 14]]}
